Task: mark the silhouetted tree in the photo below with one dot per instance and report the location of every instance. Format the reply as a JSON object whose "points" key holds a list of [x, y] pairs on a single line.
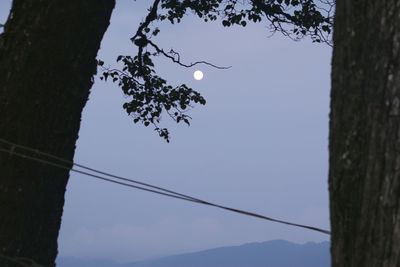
{"points": [[364, 174], [47, 60]]}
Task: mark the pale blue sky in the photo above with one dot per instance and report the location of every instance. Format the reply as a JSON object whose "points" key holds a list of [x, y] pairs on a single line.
{"points": [[260, 144]]}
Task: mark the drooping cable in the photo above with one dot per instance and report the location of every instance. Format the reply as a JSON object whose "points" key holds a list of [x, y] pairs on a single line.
{"points": [[108, 177]]}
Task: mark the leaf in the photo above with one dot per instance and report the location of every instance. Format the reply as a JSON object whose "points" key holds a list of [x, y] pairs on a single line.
{"points": [[226, 23]]}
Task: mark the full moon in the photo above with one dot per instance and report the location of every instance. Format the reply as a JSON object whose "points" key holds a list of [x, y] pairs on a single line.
{"points": [[198, 75]]}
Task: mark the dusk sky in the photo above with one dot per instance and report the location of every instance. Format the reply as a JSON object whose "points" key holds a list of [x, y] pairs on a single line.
{"points": [[259, 144]]}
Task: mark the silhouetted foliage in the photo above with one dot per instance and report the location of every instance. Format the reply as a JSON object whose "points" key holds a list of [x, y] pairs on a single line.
{"points": [[151, 96]]}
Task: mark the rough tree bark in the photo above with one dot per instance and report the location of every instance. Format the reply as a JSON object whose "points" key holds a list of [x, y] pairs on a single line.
{"points": [[364, 175], [47, 60]]}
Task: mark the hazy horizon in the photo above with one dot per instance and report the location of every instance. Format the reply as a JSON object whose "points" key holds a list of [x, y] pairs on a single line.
{"points": [[269, 247]]}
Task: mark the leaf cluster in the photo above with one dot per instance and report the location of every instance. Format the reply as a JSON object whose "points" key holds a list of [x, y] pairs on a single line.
{"points": [[150, 95], [294, 18]]}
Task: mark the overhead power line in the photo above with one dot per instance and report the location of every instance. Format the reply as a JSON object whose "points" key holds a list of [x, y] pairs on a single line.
{"points": [[65, 164]]}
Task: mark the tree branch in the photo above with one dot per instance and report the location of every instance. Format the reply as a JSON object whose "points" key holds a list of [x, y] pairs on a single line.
{"points": [[177, 61], [151, 16]]}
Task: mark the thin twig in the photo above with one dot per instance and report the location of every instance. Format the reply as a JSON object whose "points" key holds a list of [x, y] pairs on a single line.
{"points": [[177, 61]]}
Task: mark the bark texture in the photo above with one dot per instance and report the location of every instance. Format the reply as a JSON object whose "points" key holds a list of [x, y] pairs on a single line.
{"points": [[364, 175], [47, 60]]}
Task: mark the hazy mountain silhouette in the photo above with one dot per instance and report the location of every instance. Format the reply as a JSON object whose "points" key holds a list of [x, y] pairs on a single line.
{"points": [[277, 253]]}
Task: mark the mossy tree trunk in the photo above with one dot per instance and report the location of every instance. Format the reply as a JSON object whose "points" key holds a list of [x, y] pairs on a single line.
{"points": [[47, 63], [364, 175]]}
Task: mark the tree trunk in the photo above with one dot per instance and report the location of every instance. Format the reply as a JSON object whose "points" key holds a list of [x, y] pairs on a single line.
{"points": [[364, 175], [47, 63]]}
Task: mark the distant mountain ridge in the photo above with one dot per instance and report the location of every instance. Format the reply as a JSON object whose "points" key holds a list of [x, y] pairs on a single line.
{"points": [[276, 253]]}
